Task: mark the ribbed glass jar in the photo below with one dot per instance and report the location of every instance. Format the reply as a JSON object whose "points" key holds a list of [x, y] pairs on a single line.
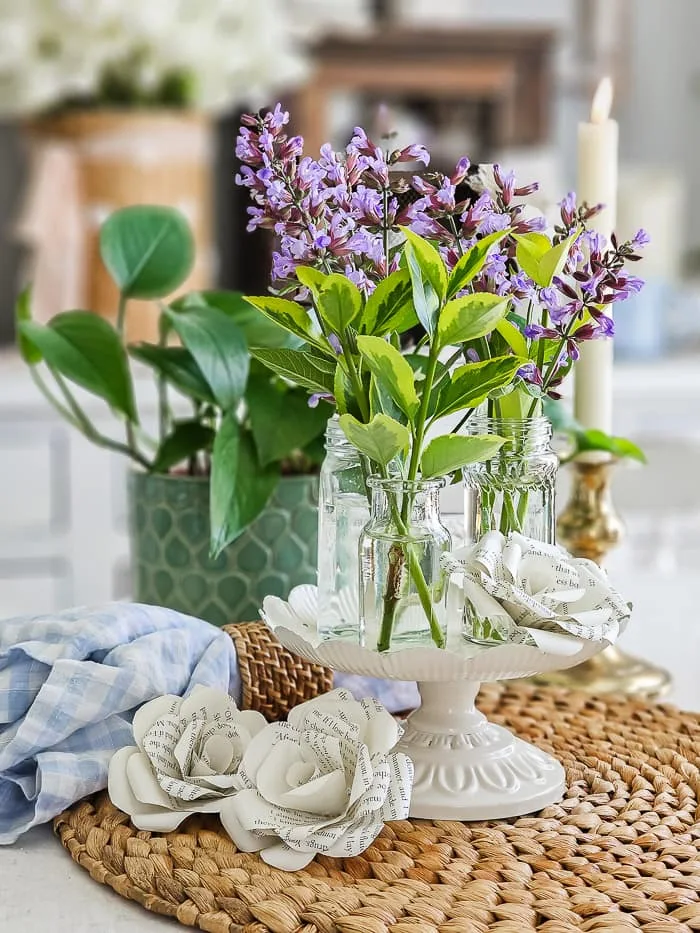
{"points": [[514, 490], [511, 492], [343, 511], [403, 586]]}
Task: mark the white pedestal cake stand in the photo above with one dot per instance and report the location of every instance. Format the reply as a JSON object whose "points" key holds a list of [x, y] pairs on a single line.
{"points": [[465, 767]]}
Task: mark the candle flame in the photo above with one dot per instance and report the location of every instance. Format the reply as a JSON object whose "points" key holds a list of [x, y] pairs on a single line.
{"points": [[602, 101]]}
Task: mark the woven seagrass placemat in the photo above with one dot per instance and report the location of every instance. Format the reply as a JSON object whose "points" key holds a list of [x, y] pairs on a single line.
{"points": [[621, 852]]}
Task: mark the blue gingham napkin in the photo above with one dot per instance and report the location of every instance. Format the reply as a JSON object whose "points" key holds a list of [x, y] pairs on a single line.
{"points": [[69, 685]]}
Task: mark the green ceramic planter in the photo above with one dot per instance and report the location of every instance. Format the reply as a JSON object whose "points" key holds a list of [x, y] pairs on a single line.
{"points": [[171, 566]]}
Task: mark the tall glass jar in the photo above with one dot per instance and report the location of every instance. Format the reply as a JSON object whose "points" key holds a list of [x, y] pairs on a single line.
{"points": [[343, 511], [403, 586], [512, 492]]}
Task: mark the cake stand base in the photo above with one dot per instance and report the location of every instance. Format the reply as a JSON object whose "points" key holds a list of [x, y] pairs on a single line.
{"points": [[467, 768]]}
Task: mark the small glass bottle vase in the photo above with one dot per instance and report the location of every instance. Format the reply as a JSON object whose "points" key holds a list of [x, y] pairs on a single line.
{"points": [[512, 492], [343, 511], [403, 586]]}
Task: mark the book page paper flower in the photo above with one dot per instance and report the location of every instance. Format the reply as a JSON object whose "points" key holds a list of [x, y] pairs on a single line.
{"points": [[185, 760], [323, 782]]}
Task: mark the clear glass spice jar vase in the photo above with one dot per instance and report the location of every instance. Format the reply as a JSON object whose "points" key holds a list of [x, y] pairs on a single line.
{"points": [[403, 585], [343, 511], [514, 491]]}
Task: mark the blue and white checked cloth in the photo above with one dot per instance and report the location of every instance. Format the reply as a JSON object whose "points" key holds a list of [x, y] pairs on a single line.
{"points": [[69, 685]]}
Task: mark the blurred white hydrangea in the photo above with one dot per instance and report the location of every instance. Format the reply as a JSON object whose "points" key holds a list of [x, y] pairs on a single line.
{"points": [[225, 52]]}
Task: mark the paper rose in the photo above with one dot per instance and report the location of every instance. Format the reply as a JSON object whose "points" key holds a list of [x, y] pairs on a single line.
{"points": [[518, 589], [185, 759], [323, 782]]}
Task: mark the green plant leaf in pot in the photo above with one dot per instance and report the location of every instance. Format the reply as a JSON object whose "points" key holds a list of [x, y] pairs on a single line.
{"points": [[259, 330], [85, 349], [308, 370], [381, 440], [281, 420], [391, 371], [177, 366], [147, 249], [219, 349], [453, 451], [240, 485], [23, 312], [186, 439], [470, 317]]}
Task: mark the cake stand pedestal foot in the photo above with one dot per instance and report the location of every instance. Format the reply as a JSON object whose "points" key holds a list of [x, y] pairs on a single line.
{"points": [[467, 768]]}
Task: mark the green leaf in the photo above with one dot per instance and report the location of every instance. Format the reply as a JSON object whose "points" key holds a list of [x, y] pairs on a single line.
{"points": [[300, 367], [342, 390], [311, 278], [391, 371], [177, 366], [554, 260], [513, 337], [517, 404], [219, 349], [281, 420], [471, 384], [240, 486], [23, 312], [425, 299], [381, 440], [290, 315], [429, 261], [86, 349], [618, 446], [472, 262], [148, 250], [539, 259], [561, 417], [185, 440], [419, 364], [470, 317], [453, 451], [259, 330], [529, 250], [390, 306], [339, 303]]}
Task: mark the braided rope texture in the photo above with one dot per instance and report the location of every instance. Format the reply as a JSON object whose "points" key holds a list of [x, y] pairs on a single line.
{"points": [[274, 680], [621, 852]]}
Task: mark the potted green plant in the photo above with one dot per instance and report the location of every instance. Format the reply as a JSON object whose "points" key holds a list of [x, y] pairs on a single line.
{"points": [[223, 497]]}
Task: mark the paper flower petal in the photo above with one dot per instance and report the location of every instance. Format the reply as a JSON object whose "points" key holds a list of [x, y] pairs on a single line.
{"points": [[147, 714]]}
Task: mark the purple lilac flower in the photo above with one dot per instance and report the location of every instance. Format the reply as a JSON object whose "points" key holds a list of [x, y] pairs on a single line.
{"points": [[414, 153], [640, 239], [320, 397], [335, 344], [531, 374], [330, 213]]}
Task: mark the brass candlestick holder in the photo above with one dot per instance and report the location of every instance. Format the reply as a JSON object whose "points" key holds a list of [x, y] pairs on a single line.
{"points": [[589, 527]]}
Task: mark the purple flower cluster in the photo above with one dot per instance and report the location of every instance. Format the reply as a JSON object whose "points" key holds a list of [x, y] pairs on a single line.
{"points": [[334, 213], [341, 213]]}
